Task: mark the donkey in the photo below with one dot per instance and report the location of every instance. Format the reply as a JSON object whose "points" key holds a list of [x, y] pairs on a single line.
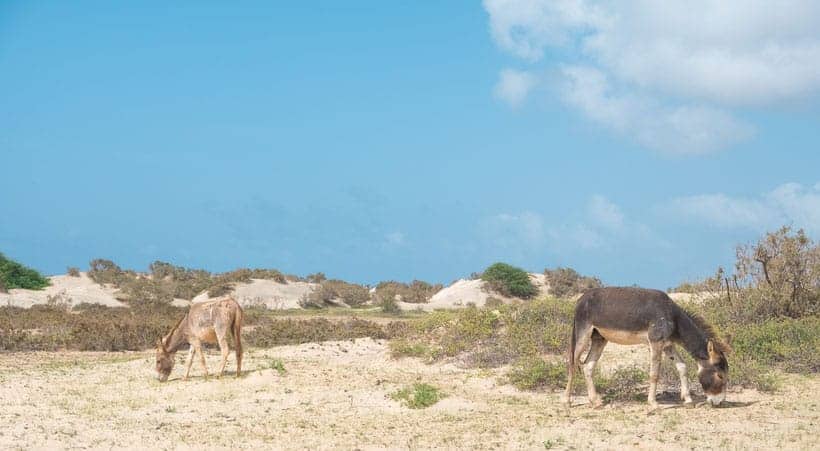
{"points": [[631, 316], [206, 322]]}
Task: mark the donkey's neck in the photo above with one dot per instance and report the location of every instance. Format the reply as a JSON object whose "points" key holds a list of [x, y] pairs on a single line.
{"points": [[692, 337], [177, 337]]}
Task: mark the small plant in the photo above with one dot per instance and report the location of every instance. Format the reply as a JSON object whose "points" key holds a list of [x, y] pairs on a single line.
{"points": [[170, 409], [73, 271], [278, 365], [508, 280], [534, 373], [404, 348], [418, 396]]}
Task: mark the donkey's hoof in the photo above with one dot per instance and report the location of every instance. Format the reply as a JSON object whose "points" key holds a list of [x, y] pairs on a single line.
{"points": [[596, 404], [688, 403]]}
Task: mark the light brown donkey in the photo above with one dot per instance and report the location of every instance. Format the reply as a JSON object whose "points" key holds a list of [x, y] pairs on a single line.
{"points": [[206, 322]]}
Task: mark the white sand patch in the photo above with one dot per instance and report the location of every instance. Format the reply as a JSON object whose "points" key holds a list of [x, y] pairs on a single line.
{"points": [[65, 289], [271, 294], [464, 292]]}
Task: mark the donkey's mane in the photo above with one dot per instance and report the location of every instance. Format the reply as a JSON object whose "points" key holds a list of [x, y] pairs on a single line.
{"points": [[708, 330], [176, 326]]}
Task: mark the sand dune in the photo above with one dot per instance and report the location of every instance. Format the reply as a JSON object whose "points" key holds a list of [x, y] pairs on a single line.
{"points": [[64, 289]]}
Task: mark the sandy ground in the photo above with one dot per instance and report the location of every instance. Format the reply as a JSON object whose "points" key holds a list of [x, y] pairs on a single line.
{"points": [[335, 395]]}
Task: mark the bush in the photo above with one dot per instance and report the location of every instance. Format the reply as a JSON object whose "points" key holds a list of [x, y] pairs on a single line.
{"points": [[317, 277], [15, 275], [565, 282], [533, 373], [418, 396], [417, 291], [275, 332], [490, 337], [509, 281], [404, 348], [332, 290], [105, 271], [73, 271], [142, 290], [87, 328]]}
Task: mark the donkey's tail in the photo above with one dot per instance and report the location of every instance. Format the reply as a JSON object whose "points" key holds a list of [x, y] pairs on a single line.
{"points": [[572, 344], [571, 363], [236, 330]]}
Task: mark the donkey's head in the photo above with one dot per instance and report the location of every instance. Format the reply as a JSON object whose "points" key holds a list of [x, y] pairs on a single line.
{"points": [[713, 374], [165, 362]]}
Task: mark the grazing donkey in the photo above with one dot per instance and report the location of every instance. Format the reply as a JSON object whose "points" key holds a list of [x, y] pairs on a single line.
{"points": [[631, 316], [206, 322]]}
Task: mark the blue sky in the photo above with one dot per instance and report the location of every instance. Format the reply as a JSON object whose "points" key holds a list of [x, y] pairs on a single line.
{"points": [[401, 140]]}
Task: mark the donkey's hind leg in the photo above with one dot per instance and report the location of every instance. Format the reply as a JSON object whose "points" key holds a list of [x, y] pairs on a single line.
{"points": [[198, 347], [582, 335], [680, 365], [225, 350], [595, 350], [655, 354]]}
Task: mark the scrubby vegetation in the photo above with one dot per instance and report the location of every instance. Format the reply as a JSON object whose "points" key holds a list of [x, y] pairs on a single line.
{"points": [[331, 291], [418, 396], [92, 327], [566, 282], [417, 291], [509, 281], [165, 281], [15, 275], [490, 337]]}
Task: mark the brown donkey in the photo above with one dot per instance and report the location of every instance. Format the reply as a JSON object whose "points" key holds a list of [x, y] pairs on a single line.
{"points": [[631, 316], [206, 322]]}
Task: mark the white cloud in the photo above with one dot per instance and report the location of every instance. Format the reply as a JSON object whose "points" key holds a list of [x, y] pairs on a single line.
{"points": [[605, 213], [790, 203], [514, 231], [671, 129], [394, 238], [674, 66], [513, 86]]}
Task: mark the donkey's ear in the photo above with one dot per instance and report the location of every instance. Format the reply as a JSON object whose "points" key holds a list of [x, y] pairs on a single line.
{"points": [[714, 355]]}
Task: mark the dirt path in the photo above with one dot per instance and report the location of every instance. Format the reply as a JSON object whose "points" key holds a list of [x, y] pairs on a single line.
{"points": [[335, 396]]}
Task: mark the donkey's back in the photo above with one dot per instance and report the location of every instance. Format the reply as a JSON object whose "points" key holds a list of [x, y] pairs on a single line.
{"points": [[627, 314]]}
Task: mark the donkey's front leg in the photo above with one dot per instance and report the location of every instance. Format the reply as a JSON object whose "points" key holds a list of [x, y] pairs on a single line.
{"points": [[191, 350], [680, 364], [655, 354]]}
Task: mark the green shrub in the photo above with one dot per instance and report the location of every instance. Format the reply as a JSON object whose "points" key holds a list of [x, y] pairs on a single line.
{"points": [[508, 280], [418, 396], [533, 373], [565, 282], [389, 305], [270, 331], [15, 275], [278, 365], [789, 344], [490, 337], [404, 348]]}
